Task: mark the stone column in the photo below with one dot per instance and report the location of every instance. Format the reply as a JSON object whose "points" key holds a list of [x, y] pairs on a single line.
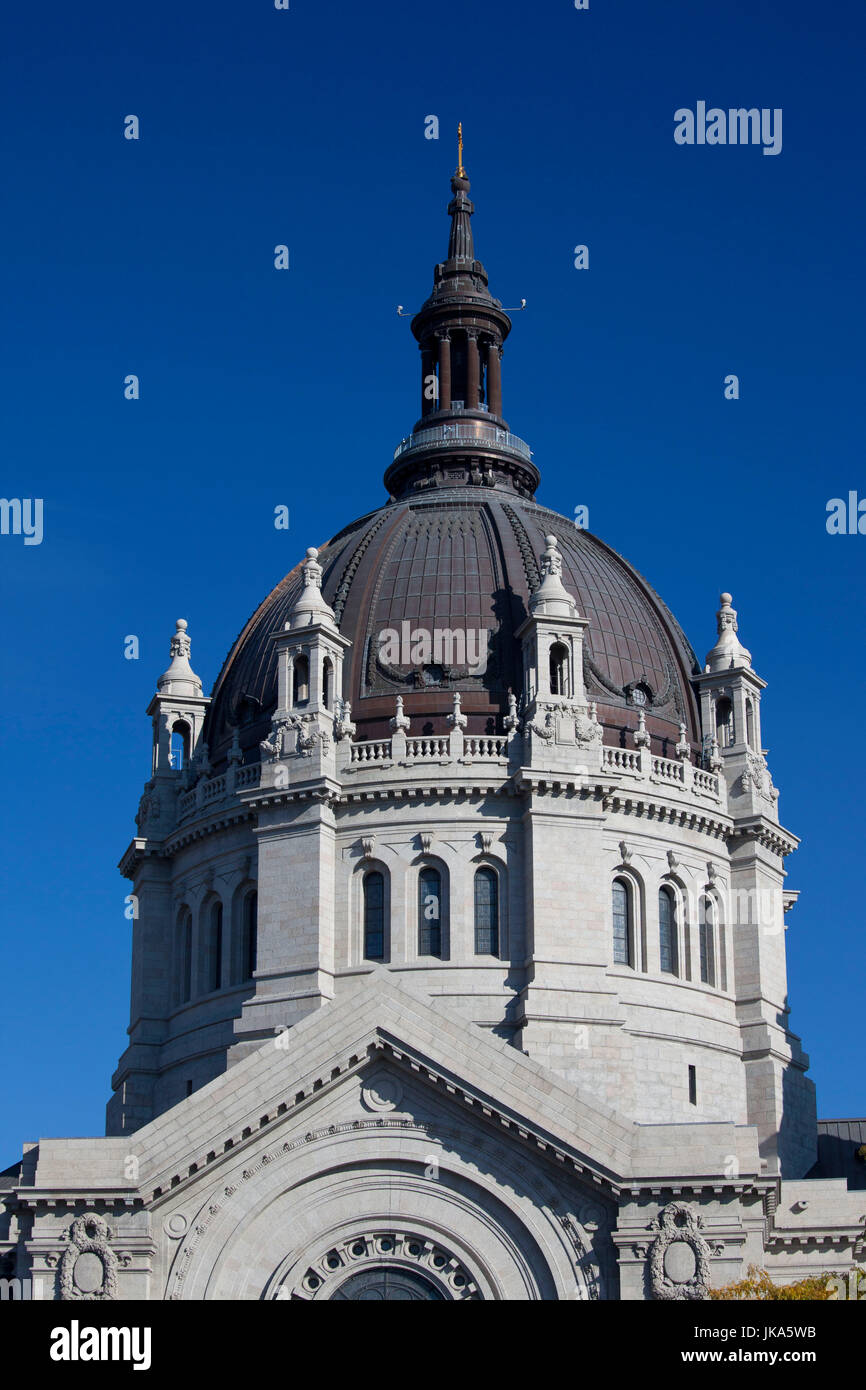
{"points": [[472, 370], [444, 372]]}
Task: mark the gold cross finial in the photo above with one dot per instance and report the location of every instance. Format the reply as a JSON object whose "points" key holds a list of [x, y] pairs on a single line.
{"points": [[461, 172]]}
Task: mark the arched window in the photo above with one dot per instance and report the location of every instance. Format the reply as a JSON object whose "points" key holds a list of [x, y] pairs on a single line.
{"points": [[668, 953], [486, 913], [185, 959], [327, 681], [249, 936], [179, 754], [724, 722], [215, 948], [750, 725], [623, 923], [706, 941], [374, 915], [429, 912], [559, 669], [301, 681]]}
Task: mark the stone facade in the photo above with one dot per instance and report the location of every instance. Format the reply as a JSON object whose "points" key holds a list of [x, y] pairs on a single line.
{"points": [[489, 1002]]}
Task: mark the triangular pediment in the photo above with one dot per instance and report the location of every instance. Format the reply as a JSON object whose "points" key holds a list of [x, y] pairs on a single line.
{"points": [[380, 1022]]}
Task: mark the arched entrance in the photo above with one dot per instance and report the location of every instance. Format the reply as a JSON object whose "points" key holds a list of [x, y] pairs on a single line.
{"points": [[382, 1284]]}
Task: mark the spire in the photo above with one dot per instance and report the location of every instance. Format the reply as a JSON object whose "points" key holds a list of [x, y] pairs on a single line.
{"points": [[729, 650], [180, 678], [311, 606], [460, 209]]}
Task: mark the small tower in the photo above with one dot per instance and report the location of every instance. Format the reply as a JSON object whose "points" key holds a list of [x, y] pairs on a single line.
{"points": [[177, 709], [297, 929], [552, 638], [730, 695], [780, 1099], [310, 651]]}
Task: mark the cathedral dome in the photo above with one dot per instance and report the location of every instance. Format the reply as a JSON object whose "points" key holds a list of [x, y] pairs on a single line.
{"points": [[464, 560], [432, 588]]}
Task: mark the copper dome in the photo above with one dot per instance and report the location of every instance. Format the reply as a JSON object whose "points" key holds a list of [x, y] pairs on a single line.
{"points": [[465, 558], [457, 548]]}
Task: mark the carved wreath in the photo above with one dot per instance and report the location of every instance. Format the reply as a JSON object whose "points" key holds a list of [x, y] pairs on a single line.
{"points": [[678, 1223], [94, 1243]]}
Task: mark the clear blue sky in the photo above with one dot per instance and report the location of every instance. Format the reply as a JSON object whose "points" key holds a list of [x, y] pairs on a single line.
{"points": [[260, 387]]}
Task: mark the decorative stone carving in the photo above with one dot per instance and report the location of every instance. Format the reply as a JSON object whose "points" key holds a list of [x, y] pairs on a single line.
{"points": [[400, 720], [680, 1256], [149, 809], [756, 774], [236, 752], [625, 852], [88, 1269], [641, 736], [373, 1250], [714, 757], [485, 841], [426, 842], [682, 748], [545, 731], [382, 1091], [511, 721], [587, 729], [457, 719], [368, 844], [274, 747], [343, 726]]}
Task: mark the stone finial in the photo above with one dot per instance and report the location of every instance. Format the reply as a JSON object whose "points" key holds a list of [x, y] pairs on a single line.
{"points": [[457, 719], [179, 678], [551, 598], [235, 752], [400, 720], [310, 606], [511, 720], [641, 736], [683, 748], [343, 726], [729, 650]]}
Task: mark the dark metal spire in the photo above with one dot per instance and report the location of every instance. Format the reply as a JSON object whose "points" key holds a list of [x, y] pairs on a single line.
{"points": [[461, 208]]}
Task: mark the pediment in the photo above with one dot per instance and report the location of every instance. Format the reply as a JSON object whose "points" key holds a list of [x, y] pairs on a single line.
{"points": [[442, 1065]]}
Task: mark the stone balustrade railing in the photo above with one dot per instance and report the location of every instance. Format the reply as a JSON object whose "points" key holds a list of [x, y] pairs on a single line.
{"points": [[636, 763], [427, 748], [674, 772], [377, 750], [209, 790], [488, 746]]}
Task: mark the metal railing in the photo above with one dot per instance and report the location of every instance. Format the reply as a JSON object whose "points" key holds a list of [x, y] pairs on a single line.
{"points": [[469, 432]]}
